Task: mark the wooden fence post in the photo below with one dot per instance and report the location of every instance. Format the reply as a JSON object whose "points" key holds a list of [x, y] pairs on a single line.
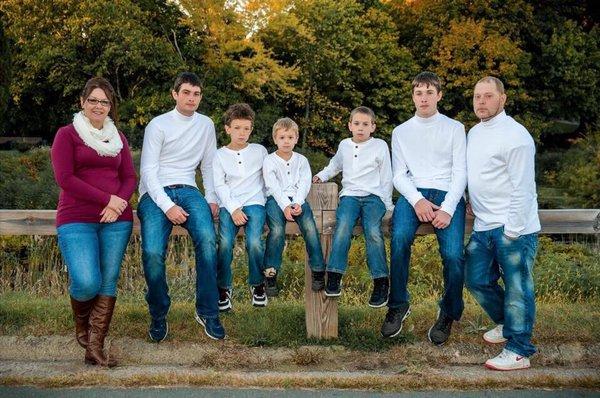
{"points": [[321, 311]]}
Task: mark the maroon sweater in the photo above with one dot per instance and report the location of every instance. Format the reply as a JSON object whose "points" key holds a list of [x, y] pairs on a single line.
{"points": [[87, 179]]}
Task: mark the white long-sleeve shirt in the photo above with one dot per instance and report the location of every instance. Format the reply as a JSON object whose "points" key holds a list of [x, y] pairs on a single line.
{"points": [[238, 176], [430, 153], [286, 179], [366, 169], [501, 176], [174, 145]]}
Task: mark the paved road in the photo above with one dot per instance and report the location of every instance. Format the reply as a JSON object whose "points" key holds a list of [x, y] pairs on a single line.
{"points": [[31, 392]]}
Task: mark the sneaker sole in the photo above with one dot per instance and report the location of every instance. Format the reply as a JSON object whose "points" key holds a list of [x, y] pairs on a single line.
{"points": [[199, 320], [163, 339], [226, 307], [492, 367], [262, 303], [494, 341], [378, 305], [401, 326]]}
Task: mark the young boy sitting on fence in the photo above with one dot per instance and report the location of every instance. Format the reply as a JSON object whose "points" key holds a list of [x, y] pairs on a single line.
{"points": [[238, 179], [287, 178], [366, 193]]}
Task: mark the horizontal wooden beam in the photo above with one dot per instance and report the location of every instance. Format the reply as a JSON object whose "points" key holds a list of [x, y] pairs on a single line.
{"points": [[554, 221]]}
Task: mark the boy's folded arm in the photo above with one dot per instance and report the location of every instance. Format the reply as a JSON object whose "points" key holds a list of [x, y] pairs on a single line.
{"points": [[305, 183], [401, 182], [459, 172], [273, 185]]}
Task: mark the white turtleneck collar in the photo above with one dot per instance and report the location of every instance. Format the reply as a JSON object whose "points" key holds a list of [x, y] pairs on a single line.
{"points": [[180, 116], [428, 120], [495, 120]]}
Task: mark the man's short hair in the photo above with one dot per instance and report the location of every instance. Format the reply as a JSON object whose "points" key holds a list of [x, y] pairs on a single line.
{"points": [[495, 80], [238, 111], [365, 110], [428, 79], [285, 123], [187, 77]]}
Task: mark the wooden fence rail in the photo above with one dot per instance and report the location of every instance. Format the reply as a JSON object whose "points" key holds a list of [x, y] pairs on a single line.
{"points": [[321, 312]]}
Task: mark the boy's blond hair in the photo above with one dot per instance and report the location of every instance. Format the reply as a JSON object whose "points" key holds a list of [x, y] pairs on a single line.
{"points": [[363, 109], [285, 123]]}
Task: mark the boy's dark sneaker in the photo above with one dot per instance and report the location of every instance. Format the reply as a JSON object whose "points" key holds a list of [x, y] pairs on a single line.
{"points": [[158, 330], [259, 296], [318, 281], [271, 286], [379, 296], [392, 325], [224, 299], [334, 284], [440, 331], [212, 327]]}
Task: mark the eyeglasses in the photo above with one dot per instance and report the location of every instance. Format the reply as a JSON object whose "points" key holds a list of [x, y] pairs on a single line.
{"points": [[95, 101]]}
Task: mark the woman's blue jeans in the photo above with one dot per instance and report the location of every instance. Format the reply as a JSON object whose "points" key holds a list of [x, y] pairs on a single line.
{"points": [[276, 237], [254, 245], [93, 253], [490, 256], [371, 210]]}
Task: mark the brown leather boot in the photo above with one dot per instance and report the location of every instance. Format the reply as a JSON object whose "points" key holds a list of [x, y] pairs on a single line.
{"points": [[81, 315], [99, 322]]}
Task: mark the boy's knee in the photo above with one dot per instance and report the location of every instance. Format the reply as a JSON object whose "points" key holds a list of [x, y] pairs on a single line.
{"points": [[85, 290], [254, 244]]}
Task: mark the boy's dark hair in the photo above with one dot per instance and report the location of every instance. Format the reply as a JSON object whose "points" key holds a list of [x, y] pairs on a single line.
{"points": [[363, 109], [428, 79], [104, 85], [238, 111], [187, 77]]}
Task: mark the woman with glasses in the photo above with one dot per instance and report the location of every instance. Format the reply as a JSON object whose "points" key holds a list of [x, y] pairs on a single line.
{"points": [[93, 167]]}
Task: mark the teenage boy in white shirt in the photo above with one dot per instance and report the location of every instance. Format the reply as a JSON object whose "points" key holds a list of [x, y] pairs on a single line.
{"points": [[237, 171], [174, 144], [502, 195], [430, 172], [287, 177], [366, 193]]}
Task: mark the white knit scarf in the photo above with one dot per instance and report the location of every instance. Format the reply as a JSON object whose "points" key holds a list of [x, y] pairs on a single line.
{"points": [[105, 141]]}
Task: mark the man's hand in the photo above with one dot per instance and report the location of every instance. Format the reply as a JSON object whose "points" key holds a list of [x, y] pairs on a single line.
{"points": [[441, 220], [177, 215], [239, 217], [470, 210], [425, 210], [214, 209], [108, 215], [117, 204], [288, 213], [317, 180], [296, 209]]}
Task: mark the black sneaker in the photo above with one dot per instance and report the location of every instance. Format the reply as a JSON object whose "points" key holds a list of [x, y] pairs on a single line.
{"points": [[158, 330], [334, 284], [318, 281], [259, 297], [271, 286], [212, 326], [392, 325], [224, 299], [440, 331], [379, 296]]}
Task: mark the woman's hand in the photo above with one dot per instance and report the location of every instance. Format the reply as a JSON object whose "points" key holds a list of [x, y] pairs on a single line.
{"points": [[117, 204], [108, 215]]}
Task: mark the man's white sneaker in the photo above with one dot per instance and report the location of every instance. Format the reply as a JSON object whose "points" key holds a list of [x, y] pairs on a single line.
{"points": [[508, 360], [494, 336]]}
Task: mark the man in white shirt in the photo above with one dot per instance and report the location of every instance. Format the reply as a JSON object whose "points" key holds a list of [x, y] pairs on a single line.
{"points": [[366, 193], [429, 163], [502, 195], [174, 144]]}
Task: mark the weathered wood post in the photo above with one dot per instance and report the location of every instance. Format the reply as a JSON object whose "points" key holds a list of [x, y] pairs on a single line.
{"points": [[321, 311]]}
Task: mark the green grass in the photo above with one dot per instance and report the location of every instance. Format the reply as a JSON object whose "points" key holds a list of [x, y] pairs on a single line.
{"points": [[281, 323]]}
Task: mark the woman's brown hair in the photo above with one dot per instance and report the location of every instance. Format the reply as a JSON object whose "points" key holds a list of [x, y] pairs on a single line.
{"points": [[109, 91]]}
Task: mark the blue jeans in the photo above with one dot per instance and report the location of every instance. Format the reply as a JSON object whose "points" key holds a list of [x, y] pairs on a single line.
{"points": [[491, 256], [254, 245], [371, 210], [276, 237], [451, 244], [156, 229], [93, 253]]}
